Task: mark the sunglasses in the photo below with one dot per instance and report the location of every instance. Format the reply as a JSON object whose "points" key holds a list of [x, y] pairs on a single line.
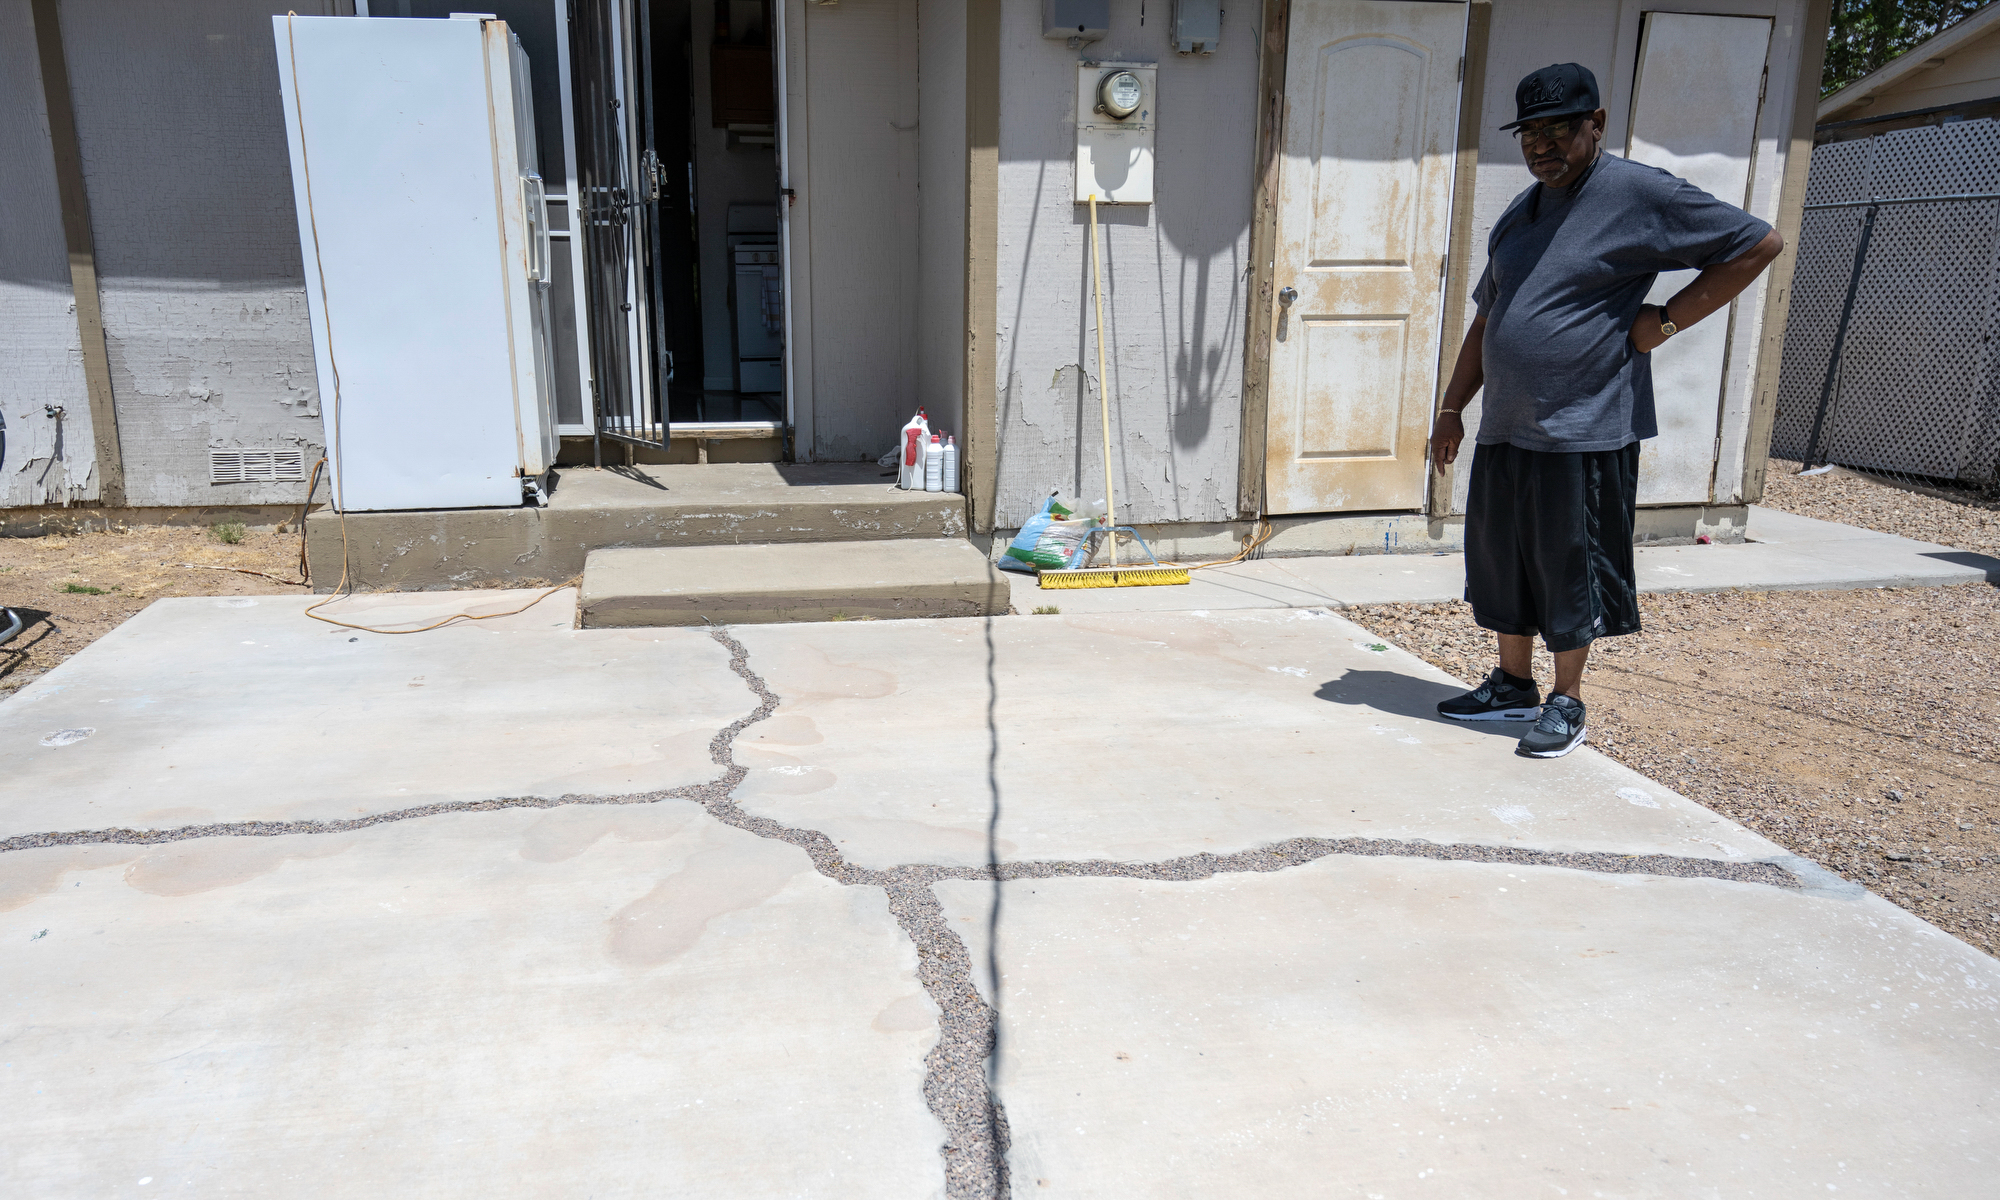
{"points": [[1554, 131]]}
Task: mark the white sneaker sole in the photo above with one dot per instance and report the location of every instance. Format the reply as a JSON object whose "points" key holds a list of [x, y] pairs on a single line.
{"points": [[1503, 714], [1580, 735]]}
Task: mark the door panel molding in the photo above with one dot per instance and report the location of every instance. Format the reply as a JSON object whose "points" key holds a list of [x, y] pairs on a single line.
{"points": [[1364, 203]]}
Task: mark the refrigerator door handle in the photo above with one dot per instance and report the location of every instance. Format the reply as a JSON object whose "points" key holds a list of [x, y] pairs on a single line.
{"points": [[535, 198]]}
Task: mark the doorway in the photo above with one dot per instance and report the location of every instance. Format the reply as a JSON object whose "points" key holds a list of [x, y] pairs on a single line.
{"points": [[1364, 219], [677, 130], [720, 275]]}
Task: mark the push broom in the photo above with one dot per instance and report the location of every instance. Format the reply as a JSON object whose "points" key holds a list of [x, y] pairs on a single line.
{"points": [[1155, 572]]}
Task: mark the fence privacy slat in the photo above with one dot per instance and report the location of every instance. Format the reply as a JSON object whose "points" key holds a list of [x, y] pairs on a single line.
{"points": [[1916, 387]]}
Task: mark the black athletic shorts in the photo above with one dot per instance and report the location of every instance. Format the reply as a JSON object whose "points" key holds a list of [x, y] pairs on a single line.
{"points": [[1548, 543]]}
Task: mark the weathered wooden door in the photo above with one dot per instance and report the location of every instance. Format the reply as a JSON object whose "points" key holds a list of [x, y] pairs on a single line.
{"points": [[1695, 106], [1364, 213]]}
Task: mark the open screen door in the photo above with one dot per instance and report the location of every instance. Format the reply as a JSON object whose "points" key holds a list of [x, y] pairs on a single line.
{"points": [[1694, 114], [619, 184], [1364, 215]]}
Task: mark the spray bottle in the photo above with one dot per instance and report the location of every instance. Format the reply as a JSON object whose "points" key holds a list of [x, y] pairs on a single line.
{"points": [[910, 453], [934, 465]]}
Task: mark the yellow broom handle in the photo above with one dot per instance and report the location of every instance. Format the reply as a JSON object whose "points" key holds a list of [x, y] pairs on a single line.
{"points": [[1103, 386]]}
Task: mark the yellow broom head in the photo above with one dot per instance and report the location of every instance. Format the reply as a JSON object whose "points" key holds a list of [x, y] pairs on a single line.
{"points": [[1101, 577]]}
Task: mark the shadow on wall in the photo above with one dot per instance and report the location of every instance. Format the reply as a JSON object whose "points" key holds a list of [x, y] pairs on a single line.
{"points": [[1174, 275], [1175, 292]]}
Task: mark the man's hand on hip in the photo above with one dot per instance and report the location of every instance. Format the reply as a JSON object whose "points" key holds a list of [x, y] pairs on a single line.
{"points": [[1445, 438], [1706, 293], [1645, 332]]}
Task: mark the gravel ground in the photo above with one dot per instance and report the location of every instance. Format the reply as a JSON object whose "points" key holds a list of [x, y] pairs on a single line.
{"points": [[1860, 730], [1854, 499], [127, 570]]}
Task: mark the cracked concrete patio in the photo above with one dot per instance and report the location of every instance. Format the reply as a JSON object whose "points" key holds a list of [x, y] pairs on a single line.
{"points": [[519, 909]]}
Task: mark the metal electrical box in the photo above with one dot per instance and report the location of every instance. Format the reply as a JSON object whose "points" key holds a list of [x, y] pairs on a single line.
{"points": [[1078, 21], [1197, 26], [1114, 131]]}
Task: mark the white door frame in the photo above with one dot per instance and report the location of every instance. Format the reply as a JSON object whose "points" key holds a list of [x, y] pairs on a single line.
{"points": [[567, 235], [788, 33]]}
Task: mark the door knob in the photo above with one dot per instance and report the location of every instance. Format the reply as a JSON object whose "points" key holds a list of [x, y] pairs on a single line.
{"points": [[1287, 295]]}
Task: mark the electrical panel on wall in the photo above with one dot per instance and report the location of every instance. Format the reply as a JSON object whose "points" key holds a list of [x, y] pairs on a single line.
{"points": [[1114, 132], [1197, 26]]}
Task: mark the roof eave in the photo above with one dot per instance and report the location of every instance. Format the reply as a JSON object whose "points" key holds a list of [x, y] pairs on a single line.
{"points": [[1865, 88]]}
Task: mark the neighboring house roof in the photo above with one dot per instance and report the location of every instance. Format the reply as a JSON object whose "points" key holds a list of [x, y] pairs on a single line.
{"points": [[1960, 64]]}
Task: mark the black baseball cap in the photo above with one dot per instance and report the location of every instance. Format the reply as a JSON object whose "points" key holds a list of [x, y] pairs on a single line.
{"points": [[1562, 90]]}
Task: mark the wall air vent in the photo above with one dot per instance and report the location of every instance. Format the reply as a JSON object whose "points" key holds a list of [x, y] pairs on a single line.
{"points": [[256, 466]]}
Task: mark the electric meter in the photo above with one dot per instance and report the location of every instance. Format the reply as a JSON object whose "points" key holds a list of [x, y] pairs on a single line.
{"points": [[1119, 94], [1117, 105]]}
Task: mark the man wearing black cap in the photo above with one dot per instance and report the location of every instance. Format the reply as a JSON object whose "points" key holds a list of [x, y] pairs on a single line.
{"points": [[1562, 345]]}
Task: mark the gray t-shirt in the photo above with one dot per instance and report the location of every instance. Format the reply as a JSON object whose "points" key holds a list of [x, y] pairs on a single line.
{"points": [[1565, 276]]}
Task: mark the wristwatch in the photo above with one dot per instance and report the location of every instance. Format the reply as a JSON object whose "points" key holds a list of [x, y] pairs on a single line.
{"points": [[1667, 327]]}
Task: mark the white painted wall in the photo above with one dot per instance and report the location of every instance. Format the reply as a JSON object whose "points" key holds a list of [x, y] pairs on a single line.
{"points": [[49, 461], [184, 159], [1176, 274], [941, 213]]}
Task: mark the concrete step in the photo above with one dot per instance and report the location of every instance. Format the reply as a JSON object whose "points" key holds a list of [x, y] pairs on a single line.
{"points": [[715, 504], [800, 581]]}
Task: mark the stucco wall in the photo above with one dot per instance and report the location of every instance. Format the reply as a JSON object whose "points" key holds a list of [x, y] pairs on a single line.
{"points": [[183, 148], [1175, 277], [49, 460], [941, 212]]}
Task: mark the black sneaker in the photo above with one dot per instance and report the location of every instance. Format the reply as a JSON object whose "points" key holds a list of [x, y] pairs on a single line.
{"points": [[1559, 731], [1494, 700]]}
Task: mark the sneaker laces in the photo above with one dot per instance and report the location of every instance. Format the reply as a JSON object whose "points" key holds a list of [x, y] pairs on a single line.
{"points": [[1555, 718], [1485, 692]]}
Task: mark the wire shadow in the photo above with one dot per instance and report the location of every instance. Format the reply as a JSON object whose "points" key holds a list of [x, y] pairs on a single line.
{"points": [[996, 1131]]}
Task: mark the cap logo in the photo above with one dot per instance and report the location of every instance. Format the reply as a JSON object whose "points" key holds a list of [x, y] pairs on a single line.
{"points": [[1544, 91]]}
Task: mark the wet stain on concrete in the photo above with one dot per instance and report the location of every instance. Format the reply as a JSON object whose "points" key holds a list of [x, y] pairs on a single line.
{"points": [[189, 867], [24, 878], [792, 730], [911, 1014], [567, 832], [668, 920]]}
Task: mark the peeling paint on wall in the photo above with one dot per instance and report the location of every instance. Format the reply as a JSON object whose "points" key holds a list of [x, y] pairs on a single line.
{"points": [[1176, 279], [201, 370], [184, 158]]}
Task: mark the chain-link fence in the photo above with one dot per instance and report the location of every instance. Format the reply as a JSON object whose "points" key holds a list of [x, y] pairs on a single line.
{"points": [[1892, 347]]}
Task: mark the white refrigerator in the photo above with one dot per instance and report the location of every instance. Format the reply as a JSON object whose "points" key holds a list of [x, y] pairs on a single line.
{"points": [[425, 238]]}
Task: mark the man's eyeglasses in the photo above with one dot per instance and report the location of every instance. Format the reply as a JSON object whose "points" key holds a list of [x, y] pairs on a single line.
{"points": [[1554, 131]]}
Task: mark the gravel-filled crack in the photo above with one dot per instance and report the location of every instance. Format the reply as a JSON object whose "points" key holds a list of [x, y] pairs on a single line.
{"points": [[956, 1085]]}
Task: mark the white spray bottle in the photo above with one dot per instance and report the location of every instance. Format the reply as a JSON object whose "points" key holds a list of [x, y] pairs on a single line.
{"points": [[910, 453]]}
